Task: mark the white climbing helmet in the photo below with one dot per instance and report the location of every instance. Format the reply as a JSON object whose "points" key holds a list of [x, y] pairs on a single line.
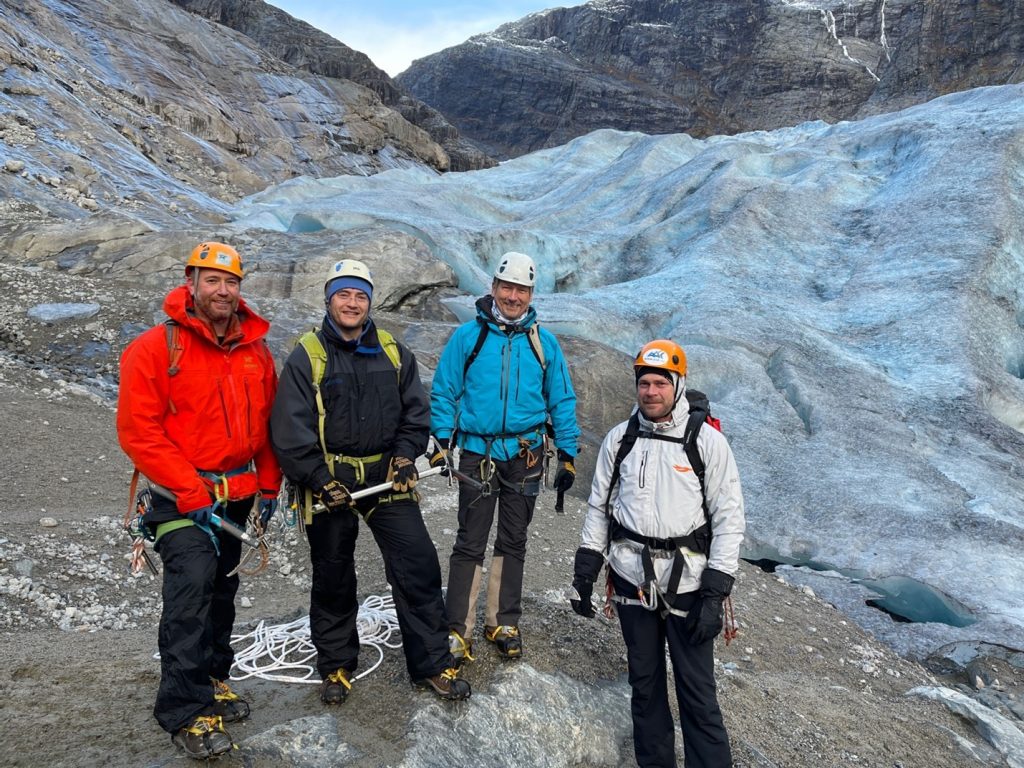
{"points": [[517, 268]]}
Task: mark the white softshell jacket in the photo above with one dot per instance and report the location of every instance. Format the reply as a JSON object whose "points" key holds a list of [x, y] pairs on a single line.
{"points": [[659, 496]]}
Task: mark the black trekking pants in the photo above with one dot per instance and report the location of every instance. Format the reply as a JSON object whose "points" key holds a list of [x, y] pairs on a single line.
{"points": [[465, 567], [198, 615], [413, 571], [705, 741]]}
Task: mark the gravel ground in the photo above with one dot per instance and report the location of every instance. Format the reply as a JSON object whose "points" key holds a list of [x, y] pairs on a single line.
{"points": [[801, 686]]}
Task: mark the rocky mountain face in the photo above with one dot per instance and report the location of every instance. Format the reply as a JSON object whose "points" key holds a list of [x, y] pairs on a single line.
{"points": [[307, 48], [142, 112], [707, 67]]}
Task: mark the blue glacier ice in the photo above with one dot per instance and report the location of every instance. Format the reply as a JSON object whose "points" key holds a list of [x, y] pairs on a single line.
{"points": [[851, 296]]}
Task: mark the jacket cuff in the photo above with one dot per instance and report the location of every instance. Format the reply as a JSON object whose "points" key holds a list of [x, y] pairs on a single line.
{"points": [[192, 501], [321, 477], [588, 563], [715, 583]]}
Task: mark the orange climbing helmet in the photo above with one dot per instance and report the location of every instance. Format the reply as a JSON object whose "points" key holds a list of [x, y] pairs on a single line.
{"points": [[662, 355], [213, 255]]}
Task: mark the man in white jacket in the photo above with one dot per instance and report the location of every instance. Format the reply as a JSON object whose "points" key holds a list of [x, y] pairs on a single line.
{"points": [[673, 549]]}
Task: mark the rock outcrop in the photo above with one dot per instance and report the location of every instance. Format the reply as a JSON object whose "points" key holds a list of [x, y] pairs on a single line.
{"points": [[307, 48], [708, 67], [143, 108]]}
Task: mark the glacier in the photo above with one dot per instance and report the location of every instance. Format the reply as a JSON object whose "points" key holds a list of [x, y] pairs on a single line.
{"points": [[850, 296]]}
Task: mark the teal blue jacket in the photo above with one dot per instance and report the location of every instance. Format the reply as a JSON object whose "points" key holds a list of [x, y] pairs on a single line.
{"points": [[505, 394]]}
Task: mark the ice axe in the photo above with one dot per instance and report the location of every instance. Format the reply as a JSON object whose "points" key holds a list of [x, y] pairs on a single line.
{"points": [[462, 477], [228, 527], [379, 488]]}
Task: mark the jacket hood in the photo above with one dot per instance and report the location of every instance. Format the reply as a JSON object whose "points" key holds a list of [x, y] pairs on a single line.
{"points": [[677, 419], [485, 313], [179, 306]]}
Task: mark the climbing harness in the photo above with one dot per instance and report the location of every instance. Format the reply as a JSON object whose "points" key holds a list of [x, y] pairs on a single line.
{"points": [[285, 652], [141, 503]]}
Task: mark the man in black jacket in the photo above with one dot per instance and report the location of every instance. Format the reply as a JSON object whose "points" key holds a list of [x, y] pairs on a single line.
{"points": [[351, 412]]}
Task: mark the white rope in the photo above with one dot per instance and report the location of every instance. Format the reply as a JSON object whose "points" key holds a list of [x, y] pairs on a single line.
{"points": [[285, 652]]}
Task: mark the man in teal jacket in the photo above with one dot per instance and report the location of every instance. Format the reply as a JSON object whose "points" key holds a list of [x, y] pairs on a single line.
{"points": [[500, 378]]}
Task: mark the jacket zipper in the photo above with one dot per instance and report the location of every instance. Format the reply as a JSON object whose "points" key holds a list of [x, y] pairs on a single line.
{"points": [[224, 407], [506, 373]]}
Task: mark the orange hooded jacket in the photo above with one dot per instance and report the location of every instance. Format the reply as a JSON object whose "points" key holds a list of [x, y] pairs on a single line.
{"points": [[212, 415]]}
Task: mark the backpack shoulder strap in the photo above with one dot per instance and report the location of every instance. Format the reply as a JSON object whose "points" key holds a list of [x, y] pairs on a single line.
{"points": [[314, 347], [387, 341], [532, 335], [175, 349], [535, 345], [626, 444], [480, 339], [694, 422]]}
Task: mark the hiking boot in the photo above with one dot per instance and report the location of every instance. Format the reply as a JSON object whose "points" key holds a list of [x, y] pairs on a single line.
{"points": [[335, 687], [204, 739], [447, 685], [506, 639], [227, 704], [460, 649]]}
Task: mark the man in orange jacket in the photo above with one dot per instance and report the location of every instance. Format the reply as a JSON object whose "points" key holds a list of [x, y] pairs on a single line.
{"points": [[192, 415]]}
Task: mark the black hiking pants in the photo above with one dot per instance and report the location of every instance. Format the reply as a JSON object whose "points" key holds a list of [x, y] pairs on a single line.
{"points": [[705, 741], [412, 570], [198, 615], [476, 515]]}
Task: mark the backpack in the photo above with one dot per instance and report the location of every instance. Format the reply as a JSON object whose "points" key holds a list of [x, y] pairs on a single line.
{"points": [[700, 414], [532, 335]]}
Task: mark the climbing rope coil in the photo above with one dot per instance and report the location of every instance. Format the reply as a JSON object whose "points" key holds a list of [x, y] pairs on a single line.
{"points": [[285, 653]]}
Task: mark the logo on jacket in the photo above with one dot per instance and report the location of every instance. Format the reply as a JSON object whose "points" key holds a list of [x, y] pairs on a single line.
{"points": [[678, 468]]}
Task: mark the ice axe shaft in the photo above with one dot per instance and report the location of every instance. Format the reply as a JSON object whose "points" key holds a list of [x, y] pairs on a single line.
{"points": [[447, 466], [462, 477], [560, 503], [380, 488], [228, 527]]}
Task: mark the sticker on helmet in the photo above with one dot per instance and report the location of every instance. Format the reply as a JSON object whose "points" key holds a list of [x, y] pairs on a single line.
{"points": [[655, 357], [224, 259]]}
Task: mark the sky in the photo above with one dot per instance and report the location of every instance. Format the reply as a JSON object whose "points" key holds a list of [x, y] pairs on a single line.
{"points": [[395, 32]]}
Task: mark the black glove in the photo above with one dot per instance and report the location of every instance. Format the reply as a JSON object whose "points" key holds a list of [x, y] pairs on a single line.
{"points": [[566, 473], [585, 570], [441, 457], [335, 496], [403, 474], [704, 620]]}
